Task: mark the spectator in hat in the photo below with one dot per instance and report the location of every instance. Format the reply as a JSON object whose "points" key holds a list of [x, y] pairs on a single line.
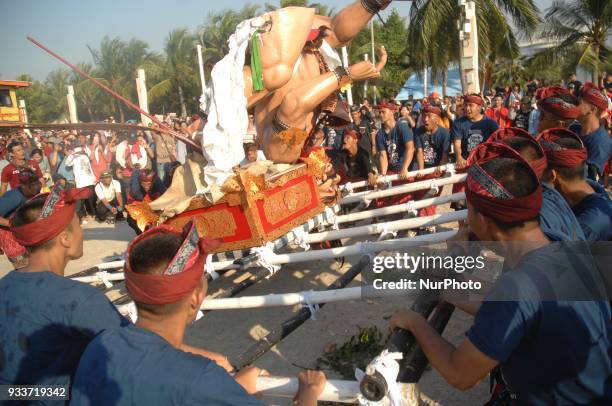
{"points": [[110, 200]]}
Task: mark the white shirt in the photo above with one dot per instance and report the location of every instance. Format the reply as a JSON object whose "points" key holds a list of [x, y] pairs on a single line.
{"points": [[108, 193], [81, 167], [120, 155]]}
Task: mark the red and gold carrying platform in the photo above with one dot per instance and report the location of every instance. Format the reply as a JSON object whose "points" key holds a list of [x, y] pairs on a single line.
{"points": [[255, 209]]}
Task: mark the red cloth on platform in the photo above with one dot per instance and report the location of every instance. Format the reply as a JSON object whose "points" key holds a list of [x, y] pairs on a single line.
{"points": [[9, 245]]}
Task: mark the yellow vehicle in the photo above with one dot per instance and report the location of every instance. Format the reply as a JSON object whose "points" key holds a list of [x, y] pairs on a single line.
{"points": [[9, 109]]}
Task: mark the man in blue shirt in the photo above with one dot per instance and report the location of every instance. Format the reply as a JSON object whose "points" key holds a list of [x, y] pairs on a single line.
{"points": [[432, 141], [29, 186], [594, 136], [550, 340], [48, 319], [471, 130], [395, 142], [589, 201], [148, 363]]}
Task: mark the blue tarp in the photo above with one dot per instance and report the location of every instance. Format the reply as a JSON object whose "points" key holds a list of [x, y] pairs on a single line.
{"points": [[414, 85]]}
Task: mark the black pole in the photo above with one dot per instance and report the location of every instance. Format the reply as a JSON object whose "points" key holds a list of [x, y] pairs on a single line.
{"points": [[374, 387], [264, 344], [417, 361]]}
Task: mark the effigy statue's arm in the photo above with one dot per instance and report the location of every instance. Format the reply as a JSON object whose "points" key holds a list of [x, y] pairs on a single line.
{"points": [[305, 98], [346, 24]]}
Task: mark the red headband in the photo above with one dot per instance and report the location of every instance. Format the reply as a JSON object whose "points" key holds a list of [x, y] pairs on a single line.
{"points": [[593, 95], [55, 216], [181, 276], [538, 165], [147, 178], [558, 155], [473, 98], [553, 104], [387, 105], [433, 110], [487, 195]]}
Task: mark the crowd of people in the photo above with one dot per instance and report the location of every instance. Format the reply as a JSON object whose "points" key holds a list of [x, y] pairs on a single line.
{"points": [[536, 161]]}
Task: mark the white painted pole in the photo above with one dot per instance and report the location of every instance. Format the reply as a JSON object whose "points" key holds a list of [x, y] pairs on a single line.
{"points": [[118, 276], [365, 82], [373, 55], [335, 390], [355, 249], [349, 91], [361, 248], [378, 228], [390, 178], [400, 208], [397, 190], [425, 82], [292, 299], [143, 99], [72, 111], [201, 66]]}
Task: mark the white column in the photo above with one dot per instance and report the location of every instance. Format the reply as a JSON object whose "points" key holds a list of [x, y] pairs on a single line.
{"points": [[143, 99], [425, 79], [373, 56], [23, 111], [365, 82], [201, 66], [72, 111], [349, 91], [468, 36]]}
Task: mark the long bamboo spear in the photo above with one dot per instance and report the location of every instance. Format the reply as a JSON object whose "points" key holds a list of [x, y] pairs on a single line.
{"points": [[116, 95]]}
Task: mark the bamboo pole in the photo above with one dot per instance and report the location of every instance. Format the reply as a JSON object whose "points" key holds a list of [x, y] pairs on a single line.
{"points": [[400, 208], [401, 189], [390, 178], [378, 228]]}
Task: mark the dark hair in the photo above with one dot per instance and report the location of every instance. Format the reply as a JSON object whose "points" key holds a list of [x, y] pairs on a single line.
{"points": [[151, 257], [517, 178], [250, 146], [525, 147], [28, 213], [12, 145], [36, 151]]}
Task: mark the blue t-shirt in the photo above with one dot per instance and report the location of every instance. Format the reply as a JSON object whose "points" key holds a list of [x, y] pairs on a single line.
{"points": [[47, 321], [394, 143], [557, 220], [598, 145], [472, 133], [550, 351], [134, 366], [10, 201], [433, 146], [594, 214]]}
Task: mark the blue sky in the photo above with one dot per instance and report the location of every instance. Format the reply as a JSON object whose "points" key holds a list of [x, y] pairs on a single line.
{"points": [[68, 26]]}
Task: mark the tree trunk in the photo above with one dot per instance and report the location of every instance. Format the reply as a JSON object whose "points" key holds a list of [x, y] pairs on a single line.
{"points": [[182, 102], [121, 113], [444, 79], [90, 113]]}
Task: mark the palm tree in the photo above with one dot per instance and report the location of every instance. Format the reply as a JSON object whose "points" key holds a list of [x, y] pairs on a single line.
{"points": [[179, 67], [581, 28], [218, 27], [55, 92], [117, 62], [434, 41]]}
